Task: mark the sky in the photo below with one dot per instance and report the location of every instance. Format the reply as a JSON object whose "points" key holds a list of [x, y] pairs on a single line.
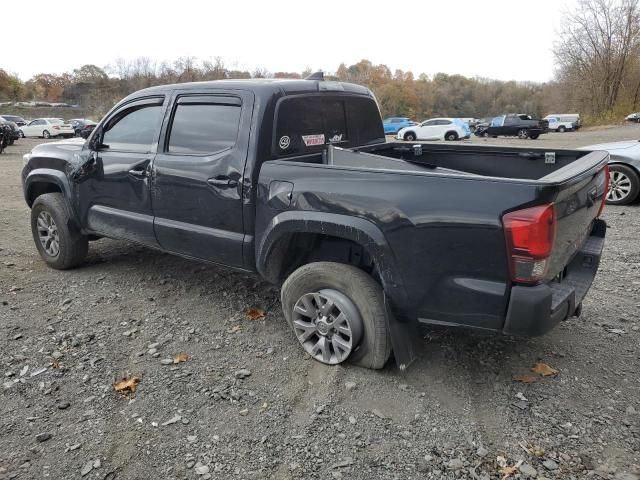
{"points": [[501, 39]]}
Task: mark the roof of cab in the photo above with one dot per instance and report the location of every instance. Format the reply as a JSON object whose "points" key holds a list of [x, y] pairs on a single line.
{"points": [[263, 86]]}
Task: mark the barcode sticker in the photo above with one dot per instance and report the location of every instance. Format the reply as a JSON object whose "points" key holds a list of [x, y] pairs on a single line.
{"points": [[550, 157]]}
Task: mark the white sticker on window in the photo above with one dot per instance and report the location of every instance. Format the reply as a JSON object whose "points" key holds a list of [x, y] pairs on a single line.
{"points": [[336, 138], [310, 140], [284, 142]]}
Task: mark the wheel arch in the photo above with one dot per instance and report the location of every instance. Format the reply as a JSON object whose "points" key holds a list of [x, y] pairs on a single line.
{"points": [[46, 180], [276, 253]]}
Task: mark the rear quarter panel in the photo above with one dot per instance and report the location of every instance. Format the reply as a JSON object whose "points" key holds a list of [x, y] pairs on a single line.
{"points": [[444, 232]]}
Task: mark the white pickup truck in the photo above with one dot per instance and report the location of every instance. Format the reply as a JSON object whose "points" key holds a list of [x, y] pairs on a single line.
{"points": [[563, 123]]}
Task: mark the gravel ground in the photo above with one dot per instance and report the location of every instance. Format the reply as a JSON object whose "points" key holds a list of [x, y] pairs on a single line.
{"points": [[248, 404]]}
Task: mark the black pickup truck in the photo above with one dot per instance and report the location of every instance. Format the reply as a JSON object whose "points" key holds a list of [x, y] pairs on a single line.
{"points": [[292, 179], [513, 125]]}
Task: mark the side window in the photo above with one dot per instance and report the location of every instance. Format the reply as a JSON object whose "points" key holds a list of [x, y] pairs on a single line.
{"points": [[511, 120], [430, 123], [396, 120], [444, 122], [134, 130], [203, 128], [38, 122]]}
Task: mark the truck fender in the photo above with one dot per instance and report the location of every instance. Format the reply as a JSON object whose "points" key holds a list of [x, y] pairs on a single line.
{"points": [[57, 178], [364, 233]]}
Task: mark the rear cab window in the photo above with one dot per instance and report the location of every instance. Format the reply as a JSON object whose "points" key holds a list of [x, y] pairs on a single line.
{"points": [[306, 124]]}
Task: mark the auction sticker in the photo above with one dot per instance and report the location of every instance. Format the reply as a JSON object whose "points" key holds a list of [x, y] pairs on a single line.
{"points": [[310, 140]]}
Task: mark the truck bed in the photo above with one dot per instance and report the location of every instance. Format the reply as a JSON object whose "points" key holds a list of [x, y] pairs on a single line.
{"points": [[440, 210]]}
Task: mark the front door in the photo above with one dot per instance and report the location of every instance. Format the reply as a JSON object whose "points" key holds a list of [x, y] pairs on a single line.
{"points": [[198, 175], [114, 197]]}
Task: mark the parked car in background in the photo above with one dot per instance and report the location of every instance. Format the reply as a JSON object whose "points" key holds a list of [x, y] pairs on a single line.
{"points": [[633, 117], [12, 131], [80, 124], [436, 129], [564, 121], [556, 125], [87, 129], [47, 128], [516, 125], [624, 170], [393, 125], [21, 122]]}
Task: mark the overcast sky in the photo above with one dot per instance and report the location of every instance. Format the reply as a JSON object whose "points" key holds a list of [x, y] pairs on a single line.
{"points": [[500, 39]]}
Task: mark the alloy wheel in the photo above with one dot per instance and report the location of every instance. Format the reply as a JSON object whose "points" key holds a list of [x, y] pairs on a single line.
{"points": [[328, 325], [48, 234], [619, 186]]}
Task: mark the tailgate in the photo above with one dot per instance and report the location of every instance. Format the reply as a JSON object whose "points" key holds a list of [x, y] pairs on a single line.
{"points": [[577, 204]]}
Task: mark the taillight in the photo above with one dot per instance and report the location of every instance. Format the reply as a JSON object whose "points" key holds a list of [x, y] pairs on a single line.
{"points": [[530, 235], [55, 127], [606, 189]]}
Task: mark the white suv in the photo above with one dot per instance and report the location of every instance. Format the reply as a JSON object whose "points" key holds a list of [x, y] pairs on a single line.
{"points": [[436, 129]]}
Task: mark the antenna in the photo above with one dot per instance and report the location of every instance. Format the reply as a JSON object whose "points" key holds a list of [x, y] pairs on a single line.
{"points": [[316, 76]]}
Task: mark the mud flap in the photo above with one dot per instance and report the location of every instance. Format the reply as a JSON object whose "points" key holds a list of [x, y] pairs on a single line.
{"points": [[404, 337]]}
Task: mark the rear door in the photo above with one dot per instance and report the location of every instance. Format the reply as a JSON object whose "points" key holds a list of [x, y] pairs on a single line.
{"points": [[34, 129], [428, 130], [197, 175]]}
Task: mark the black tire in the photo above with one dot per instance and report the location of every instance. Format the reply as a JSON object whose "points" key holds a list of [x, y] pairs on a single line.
{"points": [[410, 136], [622, 177], [561, 129], [72, 245], [366, 294], [451, 136], [534, 136], [22, 134], [523, 133], [11, 141], [46, 134]]}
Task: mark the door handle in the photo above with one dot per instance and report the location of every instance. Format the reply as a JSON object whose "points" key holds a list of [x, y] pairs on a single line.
{"points": [[139, 172], [222, 182]]}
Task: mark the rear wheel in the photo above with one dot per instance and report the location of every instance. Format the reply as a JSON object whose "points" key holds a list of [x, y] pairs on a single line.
{"points": [[60, 246], [534, 136], [523, 133], [46, 134], [451, 136], [337, 313], [410, 136], [624, 185]]}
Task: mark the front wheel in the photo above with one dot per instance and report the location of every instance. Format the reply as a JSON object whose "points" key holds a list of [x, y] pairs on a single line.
{"points": [[46, 134], [624, 185], [523, 133], [337, 313], [534, 136], [409, 136], [60, 246], [561, 129]]}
